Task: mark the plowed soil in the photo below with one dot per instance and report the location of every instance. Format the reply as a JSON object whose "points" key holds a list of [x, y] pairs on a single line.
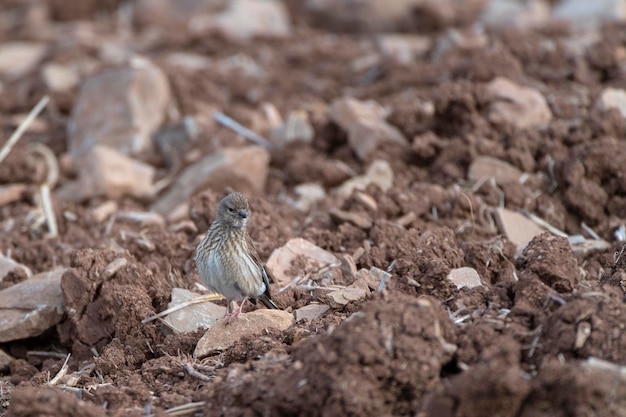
{"points": [[519, 345]]}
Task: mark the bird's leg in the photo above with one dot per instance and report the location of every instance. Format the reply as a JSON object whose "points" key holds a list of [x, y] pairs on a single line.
{"points": [[237, 311]]}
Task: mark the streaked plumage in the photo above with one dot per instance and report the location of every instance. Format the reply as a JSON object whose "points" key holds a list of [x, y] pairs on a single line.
{"points": [[227, 261]]}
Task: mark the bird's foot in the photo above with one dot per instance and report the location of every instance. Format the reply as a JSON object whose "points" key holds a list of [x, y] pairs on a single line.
{"points": [[234, 313]]}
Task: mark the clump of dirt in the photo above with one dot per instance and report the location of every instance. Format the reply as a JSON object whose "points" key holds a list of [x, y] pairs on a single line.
{"points": [[383, 360]]}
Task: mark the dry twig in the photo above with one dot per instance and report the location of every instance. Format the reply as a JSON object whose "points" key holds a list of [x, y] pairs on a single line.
{"points": [[197, 300], [22, 127]]}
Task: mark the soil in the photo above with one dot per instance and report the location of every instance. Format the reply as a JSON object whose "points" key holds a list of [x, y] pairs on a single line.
{"points": [[515, 346]]}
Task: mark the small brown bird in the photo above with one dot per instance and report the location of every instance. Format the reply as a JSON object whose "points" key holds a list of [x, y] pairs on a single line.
{"points": [[227, 261]]}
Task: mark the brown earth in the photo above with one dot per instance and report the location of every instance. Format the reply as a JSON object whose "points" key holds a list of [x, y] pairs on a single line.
{"points": [[516, 346]]}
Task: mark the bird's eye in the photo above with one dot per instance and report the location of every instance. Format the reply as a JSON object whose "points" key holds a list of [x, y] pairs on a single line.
{"points": [[232, 210]]}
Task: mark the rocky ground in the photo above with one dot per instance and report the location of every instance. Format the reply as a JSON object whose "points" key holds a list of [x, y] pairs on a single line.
{"points": [[438, 189]]}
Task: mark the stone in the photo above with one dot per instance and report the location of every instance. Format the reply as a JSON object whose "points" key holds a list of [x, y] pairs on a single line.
{"points": [[242, 169], [103, 211], [364, 121], [188, 61], [172, 15], [516, 227], [192, 317], [356, 291], [223, 335], [348, 266], [467, 39], [105, 172], [7, 265], [246, 19], [310, 312], [32, 306], [365, 138], [11, 193], [518, 106], [379, 173], [402, 48], [589, 13], [308, 194], [60, 77], [514, 13], [5, 360], [348, 111], [174, 140], [19, 58], [372, 277], [486, 167], [464, 277], [612, 99], [360, 220], [362, 15], [120, 108], [297, 127], [280, 262]]}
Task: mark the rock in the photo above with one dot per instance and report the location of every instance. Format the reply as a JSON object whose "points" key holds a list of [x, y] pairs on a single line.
{"points": [[364, 121], [120, 108], [360, 220], [7, 265], [280, 261], [612, 98], [194, 316], [348, 111], [106, 172], [104, 211], [354, 292], [296, 127], [242, 169], [310, 312], [362, 15], [18, 58], [372, 277], [468, 39], [188, 61], [485, 167], [245, 19], [464, 277], [223, 335], [174, 140], [379, 173], [521, 107], [11, 193], [173, 15], [520, 14], [32, 306], [587, 13], [516, 227], [405, 49], [348, 266], [309, 194], [5, 360], [60, 77]]}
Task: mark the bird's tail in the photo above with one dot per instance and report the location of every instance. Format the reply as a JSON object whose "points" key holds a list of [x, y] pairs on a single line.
{"points": [[268, 302]]}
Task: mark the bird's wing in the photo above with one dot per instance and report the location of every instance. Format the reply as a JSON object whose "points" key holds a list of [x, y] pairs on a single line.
{"points": [[266, 297]]}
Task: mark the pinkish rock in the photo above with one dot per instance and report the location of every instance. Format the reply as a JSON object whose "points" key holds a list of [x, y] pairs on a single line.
{"points": [[515, 105]]}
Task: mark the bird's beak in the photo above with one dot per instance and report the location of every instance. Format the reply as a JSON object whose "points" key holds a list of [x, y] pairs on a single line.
{"points": [[243, 214]]}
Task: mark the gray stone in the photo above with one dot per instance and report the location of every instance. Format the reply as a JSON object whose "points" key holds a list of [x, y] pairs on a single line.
{"points": [[32, 306], [120, 108]]}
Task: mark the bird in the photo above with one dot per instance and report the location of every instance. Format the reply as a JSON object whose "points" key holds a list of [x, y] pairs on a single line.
{"points": [[227, 261]]}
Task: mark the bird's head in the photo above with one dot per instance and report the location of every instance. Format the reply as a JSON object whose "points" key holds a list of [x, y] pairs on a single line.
{"points": [[233, 211]]}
